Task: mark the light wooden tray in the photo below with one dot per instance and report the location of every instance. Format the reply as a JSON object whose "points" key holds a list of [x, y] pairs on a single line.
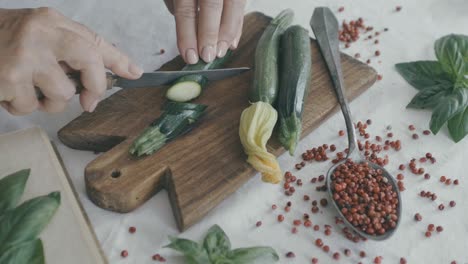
{"points": [[69, 237]]}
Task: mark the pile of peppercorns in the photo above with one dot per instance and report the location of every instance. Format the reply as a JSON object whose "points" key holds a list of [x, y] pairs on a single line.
{"points": [[365, 197]]}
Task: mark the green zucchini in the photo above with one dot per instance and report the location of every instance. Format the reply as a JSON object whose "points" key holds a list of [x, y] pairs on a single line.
{"points": [[265, 84], [190, 87], [176, 120], [295, 75]]}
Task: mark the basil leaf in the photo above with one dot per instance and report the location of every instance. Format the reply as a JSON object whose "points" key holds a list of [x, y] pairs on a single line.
{"points": [[193, 252], [216, 242], [11, 189], [248, 255], [429, 97], [458, 125], [27, 220], [423, 74], [30, 252], [448, 107], [452, 53]]}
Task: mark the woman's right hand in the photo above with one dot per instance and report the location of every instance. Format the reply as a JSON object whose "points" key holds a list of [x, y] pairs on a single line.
{"points": [[38, 46]]}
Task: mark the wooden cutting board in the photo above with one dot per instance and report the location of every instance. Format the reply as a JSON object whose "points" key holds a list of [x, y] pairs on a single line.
{"points": [[68, 238], [202, 168]]}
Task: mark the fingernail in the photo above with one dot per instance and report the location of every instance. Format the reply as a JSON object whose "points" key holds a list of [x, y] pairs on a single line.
{"points": [[222, 49], [234, 44], [191, 56], [135, 70], [208, 53], [92, 107]]}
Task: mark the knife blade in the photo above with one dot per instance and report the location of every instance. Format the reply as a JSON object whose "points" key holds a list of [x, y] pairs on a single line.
{"points": [[167, 77], [153, 79]]}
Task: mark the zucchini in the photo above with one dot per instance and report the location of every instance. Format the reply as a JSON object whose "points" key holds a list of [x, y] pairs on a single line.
{"points": [[295, 75], [265, 84], [189, 87], [259, 119], [176, 120]]}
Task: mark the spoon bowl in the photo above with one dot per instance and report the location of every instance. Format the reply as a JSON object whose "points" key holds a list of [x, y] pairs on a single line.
{"points": [[391, 180]]}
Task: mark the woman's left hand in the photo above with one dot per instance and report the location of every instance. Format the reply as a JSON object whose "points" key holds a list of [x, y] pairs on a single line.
{"points": [[207, 28]]}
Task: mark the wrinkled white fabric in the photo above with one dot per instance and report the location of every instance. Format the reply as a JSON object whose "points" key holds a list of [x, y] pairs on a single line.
{"points": [[142, 28]]}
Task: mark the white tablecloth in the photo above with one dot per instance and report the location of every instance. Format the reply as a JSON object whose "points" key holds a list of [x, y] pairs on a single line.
{"points": [[142, 28]]}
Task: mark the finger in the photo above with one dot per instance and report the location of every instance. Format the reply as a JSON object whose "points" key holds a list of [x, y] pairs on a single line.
{"points": [[208, 28], [52, 106], [236, 40], [114, 59], [24, 102], [82, 55], [54, 83], [185, 12], [231, 21]]}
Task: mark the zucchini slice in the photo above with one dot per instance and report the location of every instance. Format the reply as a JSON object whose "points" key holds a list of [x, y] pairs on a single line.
{"points": [[189, 87]]}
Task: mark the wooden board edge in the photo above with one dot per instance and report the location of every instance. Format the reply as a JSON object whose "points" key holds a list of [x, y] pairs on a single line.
{"points": [[93, 244]]}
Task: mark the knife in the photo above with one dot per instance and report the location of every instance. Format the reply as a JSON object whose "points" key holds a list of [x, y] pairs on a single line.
{"points": [[153, 79]]}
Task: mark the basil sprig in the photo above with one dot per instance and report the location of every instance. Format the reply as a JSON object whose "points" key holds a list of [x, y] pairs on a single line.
{"points": [[216, 249], [20, 226], [442, 85]]}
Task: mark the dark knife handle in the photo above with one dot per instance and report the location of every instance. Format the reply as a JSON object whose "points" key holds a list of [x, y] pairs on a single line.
{"points": [[75, 77]]}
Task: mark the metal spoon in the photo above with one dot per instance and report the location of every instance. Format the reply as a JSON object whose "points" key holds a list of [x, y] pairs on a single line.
{"points": [[325, 27]]}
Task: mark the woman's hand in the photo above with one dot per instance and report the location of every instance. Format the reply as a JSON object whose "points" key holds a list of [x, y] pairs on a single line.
{"points": [[207, 28], [37, 46]]}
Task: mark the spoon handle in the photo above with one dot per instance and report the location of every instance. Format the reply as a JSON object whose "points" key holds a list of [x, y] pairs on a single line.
{"points": [[325, 27]]}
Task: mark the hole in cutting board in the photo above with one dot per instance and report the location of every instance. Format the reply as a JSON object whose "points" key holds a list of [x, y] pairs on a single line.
{"points": [[116, 174]]}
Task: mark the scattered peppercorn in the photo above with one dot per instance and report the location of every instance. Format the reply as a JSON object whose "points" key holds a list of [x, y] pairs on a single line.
{"points": [[443, 178], [336, 256], [377, 53], [428, 234], [430, 227], [280, 218], [124, 253], [398, 8], [341, 133], [319, 242], [323, 202], [455, 182], [290, 254], [426, 132], [415, 136], [379, 77], [258, 224], [326, 248], [132, 229], [402, 261], [417, 217], [362, 254], [341, 9], [427, 176], [452, 203], [439, 229], [357, 55], [441, 207], [347, 252]]}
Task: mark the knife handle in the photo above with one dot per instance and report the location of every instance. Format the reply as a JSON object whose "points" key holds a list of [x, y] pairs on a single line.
{"points": [[75, 77]]}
